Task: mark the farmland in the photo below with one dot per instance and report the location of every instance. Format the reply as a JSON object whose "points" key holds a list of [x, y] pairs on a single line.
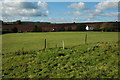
{"points": [[35, 41], [24, 56]]}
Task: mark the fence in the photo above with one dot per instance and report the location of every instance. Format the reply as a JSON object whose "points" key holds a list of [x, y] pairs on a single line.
{"points": [[47, 44]]}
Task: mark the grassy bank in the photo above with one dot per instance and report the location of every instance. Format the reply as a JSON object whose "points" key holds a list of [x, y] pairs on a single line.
{"points": [[95, 60]]}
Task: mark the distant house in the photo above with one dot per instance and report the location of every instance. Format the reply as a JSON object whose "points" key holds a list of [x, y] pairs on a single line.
{"points": [[89, 28]]}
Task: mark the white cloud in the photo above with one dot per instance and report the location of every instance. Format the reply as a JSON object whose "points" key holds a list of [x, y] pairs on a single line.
{"points": [[91, 19], [0, 9], [57, 20], [43, 5], [103, 6], [76, 13], [112, 14], [25, 19], [14, 9], [113, 0], [77, 6], [67, 0], [8, 18], [97, 11], [47, 12], [50, 18], [87, 11], [106, 5], [16, 0], [75, 18]]}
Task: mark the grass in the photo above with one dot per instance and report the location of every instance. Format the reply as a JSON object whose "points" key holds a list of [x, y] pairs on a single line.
{"points": [[35, 41], [97, 60], [24, 57]]}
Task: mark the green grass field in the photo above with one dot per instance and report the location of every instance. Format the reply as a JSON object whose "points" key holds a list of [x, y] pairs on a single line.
{"points": [[98, 60], [35, 41], [24, 57]]}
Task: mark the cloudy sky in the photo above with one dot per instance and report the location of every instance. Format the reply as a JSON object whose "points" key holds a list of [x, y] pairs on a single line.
{"points": [[59, 12]]}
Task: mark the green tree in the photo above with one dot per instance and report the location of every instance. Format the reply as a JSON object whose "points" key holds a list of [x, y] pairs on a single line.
{"points": [[1, 22], [6, 31], [18, 22], [70, 28], [15, 30], [109, 26], [96, 27], [81, 27], [37, 29], [113, 27], [62, 28]]}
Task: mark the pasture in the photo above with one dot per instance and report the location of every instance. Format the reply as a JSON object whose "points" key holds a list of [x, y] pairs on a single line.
{"points": [[35, 41], [96, 59]]}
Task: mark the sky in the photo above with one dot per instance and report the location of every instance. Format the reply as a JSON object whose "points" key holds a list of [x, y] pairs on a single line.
{"points": [[59, 12]]}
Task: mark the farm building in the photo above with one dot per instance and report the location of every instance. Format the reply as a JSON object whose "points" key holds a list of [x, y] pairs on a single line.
{"points": [[89, 28]]}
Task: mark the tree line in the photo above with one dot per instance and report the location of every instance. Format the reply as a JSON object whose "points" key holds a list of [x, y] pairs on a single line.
{"points": [[104, 27], [80, 27]]}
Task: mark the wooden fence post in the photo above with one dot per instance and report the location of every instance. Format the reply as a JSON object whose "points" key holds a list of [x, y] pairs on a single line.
{"points": [[56, 45], [63, 44], [45, 44], [86, 39]]}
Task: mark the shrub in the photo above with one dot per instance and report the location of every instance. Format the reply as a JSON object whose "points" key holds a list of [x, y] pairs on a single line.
{"points": [[37, 29], [81, 27], [15, 30]]}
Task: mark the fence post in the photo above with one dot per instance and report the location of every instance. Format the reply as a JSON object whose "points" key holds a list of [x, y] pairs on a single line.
{"points": [[56, 45], [45, 44], [63, 43], [86, 39]]}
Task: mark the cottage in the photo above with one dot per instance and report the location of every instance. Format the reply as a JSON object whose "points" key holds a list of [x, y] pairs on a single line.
{"points": [[89, 28]]}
